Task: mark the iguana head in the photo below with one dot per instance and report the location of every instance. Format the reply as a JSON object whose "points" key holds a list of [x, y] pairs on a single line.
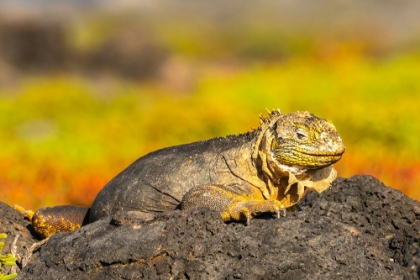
{"points": [[301, 140], [295, 153]]}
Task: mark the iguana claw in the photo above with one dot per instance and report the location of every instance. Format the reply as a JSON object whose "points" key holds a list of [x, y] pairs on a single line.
{"points": [[280, 213], [284, 212], [248, 220]]}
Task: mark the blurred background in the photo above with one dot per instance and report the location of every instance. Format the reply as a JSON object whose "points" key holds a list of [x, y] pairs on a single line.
{"points": [[87, 87]]}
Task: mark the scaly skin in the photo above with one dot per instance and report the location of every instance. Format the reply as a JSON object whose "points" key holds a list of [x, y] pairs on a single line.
{"points": [[311, 144], [267, 170], [291, 154]]}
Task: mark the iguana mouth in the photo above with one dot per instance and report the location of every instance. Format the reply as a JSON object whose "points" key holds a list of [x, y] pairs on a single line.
{"points": [[338, 153], [325, 158], [307, 160], [319, 160]]}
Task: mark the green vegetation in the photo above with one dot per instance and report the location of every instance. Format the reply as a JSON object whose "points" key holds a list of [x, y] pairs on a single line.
{"points": [[8, 260]]}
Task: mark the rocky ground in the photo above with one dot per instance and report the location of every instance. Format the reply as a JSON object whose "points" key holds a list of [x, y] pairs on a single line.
{"points": [[358, 229]]}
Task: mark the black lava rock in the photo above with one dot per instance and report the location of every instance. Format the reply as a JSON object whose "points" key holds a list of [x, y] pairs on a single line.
{"points": [[357, 229]]}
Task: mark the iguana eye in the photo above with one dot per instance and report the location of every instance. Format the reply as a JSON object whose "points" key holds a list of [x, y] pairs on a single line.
{"points": [[301, 135]]}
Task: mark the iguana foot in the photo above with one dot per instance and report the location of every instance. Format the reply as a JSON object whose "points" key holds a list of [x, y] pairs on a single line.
{"points": [[279, 213], [230, 205], [240, 210]]}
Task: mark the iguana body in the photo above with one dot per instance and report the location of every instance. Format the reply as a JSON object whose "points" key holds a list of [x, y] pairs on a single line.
{"points": [[266, 170]]}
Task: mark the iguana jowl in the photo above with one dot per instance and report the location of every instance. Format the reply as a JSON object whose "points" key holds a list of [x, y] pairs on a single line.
{"points": [[240, 176]]}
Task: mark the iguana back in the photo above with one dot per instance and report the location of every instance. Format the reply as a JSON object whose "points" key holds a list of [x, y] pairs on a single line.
{"points": [[158, 181]]}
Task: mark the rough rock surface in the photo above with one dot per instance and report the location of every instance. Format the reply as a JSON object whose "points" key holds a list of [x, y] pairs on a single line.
{"points": [[19, 237], [358, 229]]}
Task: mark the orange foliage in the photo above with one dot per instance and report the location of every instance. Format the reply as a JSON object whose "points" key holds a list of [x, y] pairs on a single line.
{"points": [[50, 184], [402, 176], [54, 185]]}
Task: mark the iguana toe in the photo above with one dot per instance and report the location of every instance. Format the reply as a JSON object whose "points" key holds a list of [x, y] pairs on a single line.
{"points": [[248, 220]]}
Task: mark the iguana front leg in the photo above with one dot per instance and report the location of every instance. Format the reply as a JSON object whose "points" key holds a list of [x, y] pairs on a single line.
{"points": [[230, 205]]}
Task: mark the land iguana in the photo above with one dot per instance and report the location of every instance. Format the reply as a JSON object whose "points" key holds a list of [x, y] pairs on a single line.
{"points": [[263, 171]]}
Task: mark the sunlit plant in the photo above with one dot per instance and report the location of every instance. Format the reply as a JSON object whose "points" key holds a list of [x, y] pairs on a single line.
{"points": [[7, 259]]}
